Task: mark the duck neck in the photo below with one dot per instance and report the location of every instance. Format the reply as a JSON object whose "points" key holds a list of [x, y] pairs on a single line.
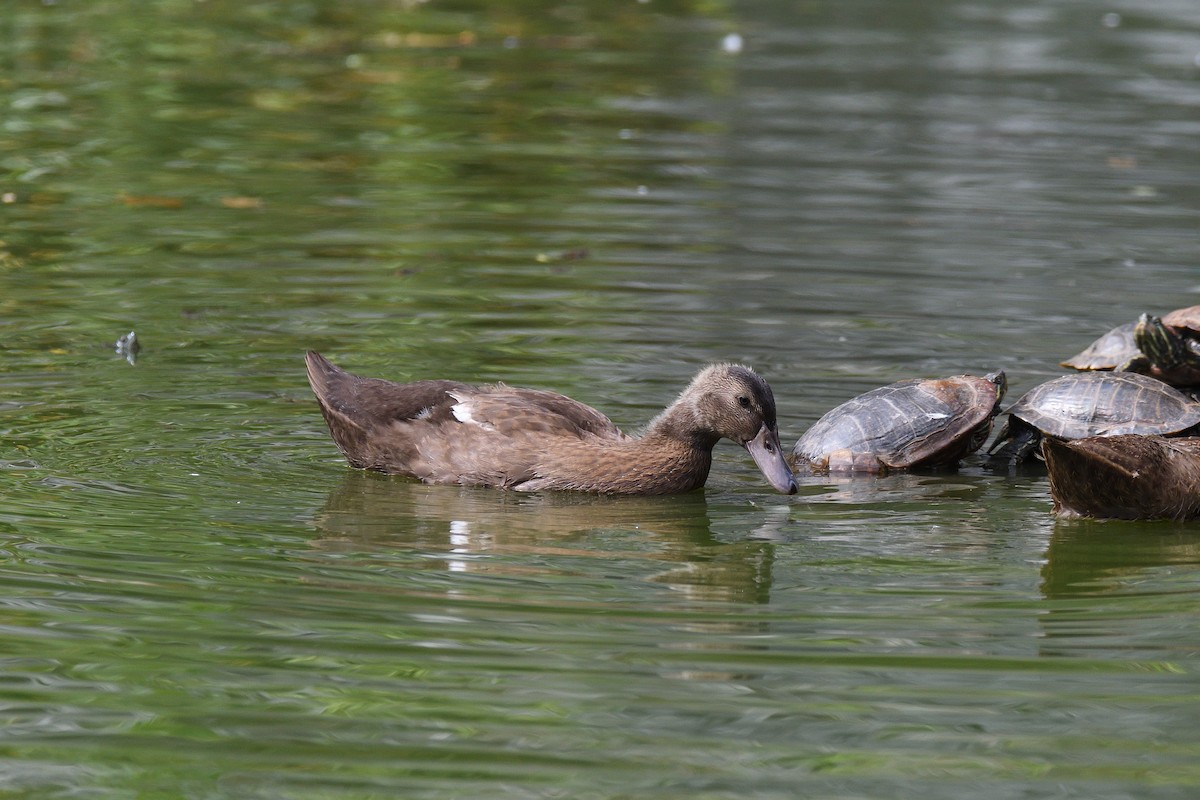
{"points": [[670, 456], [679, 424]]}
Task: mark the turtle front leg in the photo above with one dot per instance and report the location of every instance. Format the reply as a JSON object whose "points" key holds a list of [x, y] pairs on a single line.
{"points": [[1014, 446], [1140, 364]]}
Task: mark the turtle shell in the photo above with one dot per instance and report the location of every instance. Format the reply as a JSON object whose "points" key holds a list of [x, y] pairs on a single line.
{"points": [[910, 423], [1184, 320], [1108, 352], [1106, 404], [1119, 347]]}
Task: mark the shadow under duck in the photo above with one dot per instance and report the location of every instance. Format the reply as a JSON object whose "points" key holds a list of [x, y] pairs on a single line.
{"points": [[447, 432]]}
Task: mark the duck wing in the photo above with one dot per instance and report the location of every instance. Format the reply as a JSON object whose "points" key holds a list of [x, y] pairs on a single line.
{"points": [[506, 436], [356, 409], [449, 432], [370, 402], [519, 413]]}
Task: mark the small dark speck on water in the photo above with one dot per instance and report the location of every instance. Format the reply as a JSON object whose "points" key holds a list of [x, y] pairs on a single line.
{"points": [[128, 346]]}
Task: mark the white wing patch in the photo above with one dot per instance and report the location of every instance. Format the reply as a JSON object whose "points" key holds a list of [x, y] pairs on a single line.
{"points": [[462, 412]]}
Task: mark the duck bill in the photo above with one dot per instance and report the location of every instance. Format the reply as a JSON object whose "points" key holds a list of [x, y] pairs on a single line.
{"points": [[766, 452]]}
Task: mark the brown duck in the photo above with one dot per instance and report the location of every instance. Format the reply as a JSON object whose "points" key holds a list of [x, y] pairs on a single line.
{"points": [[1125, 477], [528, 439]]}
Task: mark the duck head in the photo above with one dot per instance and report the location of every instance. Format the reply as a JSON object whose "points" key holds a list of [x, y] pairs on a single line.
{"points": [[730, 401]]}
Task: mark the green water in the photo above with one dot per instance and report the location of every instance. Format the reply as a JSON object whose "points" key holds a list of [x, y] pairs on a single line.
{"points": [[199, 600]]}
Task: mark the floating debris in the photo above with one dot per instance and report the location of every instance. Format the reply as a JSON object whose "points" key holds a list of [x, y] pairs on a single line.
{"points": [[565, 255], [149, 201], [128, 346]]}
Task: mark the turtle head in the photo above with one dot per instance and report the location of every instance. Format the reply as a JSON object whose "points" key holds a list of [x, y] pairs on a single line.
{"points": [[1000, 381], [984, 429], [1163, 346]]}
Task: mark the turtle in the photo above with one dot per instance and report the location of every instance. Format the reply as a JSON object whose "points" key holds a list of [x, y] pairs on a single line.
{"points": [[1170, 346], [1167, 348], [1092, 404], [911, 423], [1125, 477], [1113, 349]]}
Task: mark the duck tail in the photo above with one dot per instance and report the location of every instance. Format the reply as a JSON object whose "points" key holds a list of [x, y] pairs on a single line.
{"points": [[321, 371], [1128, 476], [332, 386]]}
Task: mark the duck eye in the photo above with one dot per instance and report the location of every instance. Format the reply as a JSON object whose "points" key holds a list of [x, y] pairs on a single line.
{"points": [[744, 401]]}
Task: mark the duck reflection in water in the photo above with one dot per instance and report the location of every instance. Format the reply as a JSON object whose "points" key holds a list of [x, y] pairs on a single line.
{"points": [[663, 540], [1106, 582]]}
